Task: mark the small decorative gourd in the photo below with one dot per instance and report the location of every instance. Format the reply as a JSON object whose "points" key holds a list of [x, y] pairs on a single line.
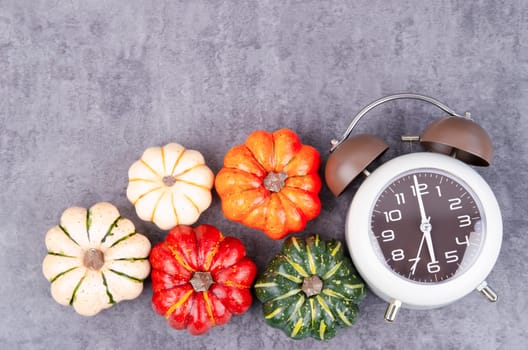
{"points": [[271, 183], [95, 259], [170, 185], [200, 278], [310, 289]]}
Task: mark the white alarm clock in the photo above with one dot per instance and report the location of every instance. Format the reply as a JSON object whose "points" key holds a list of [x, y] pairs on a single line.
{"points": [[424, 229]]}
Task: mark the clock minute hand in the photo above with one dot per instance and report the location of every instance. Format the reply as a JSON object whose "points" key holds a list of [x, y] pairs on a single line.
{"points": [[425, 225]]}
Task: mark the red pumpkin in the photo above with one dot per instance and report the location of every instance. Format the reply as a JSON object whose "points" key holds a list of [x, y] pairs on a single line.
{"points": [[271, 183], [200, 278]]}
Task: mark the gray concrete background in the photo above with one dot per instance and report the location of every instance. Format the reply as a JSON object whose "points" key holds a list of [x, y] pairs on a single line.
{"points": [[86, 86]]}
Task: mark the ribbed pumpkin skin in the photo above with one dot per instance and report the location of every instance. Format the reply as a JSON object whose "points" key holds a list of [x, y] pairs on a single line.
{"points": [[286, 306], [204, 250], [170, 185], [271, 183], [95, 259]]}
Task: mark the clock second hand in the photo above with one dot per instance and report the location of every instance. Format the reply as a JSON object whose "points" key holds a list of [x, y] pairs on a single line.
{"points": [[425, 225]]}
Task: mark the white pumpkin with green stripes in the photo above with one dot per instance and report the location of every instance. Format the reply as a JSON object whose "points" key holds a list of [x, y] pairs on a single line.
{"points": [[310, 289], [95, 259], [170, 185]]}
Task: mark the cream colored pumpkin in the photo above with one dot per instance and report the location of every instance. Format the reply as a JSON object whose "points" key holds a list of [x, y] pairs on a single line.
{"points": [[170, 185], [95, 259]]}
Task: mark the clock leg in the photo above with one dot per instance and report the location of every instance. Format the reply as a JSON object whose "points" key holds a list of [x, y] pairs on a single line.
{"points": [[487, 291], [392, 310]]}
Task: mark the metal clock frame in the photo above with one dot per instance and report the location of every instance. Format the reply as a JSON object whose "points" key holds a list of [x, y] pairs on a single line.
{"points": [[386, 283]]}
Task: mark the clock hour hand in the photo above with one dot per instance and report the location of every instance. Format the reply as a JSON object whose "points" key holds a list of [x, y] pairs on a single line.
{"points": [[417, 259], [425, 225]]}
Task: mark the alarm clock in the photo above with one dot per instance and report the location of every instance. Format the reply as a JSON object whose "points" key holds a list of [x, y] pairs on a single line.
{"points": [[424, 229]]}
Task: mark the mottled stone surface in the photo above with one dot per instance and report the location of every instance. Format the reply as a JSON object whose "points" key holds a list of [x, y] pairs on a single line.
{"points": [[86, 86]]}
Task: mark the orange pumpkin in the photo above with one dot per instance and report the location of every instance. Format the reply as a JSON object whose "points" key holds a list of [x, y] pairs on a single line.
{"points": [[271, 183]]}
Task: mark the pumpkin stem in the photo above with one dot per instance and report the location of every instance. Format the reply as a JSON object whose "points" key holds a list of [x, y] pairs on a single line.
{"points": [[274, 182], [169, 180], [312, 285], [201, 281], [93, 259]]}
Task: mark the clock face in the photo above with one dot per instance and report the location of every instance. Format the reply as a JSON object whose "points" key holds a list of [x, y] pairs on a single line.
{"points": [[427, 225]]}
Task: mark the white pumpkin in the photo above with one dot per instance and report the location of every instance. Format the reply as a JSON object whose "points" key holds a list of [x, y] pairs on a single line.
{"points": [[95, 259], [170, 186]]}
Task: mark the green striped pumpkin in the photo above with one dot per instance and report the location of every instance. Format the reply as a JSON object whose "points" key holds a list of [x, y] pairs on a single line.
{"points": [[310, 289], [95, 259]]}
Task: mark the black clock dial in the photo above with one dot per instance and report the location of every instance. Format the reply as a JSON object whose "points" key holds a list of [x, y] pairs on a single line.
{"points": [[427, 225]]}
